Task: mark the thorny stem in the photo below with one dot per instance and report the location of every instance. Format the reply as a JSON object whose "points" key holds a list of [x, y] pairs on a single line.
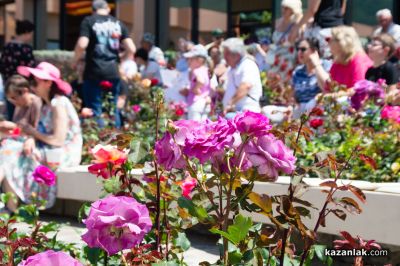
{"points": [[228, 199], [323, 210], [167, 230], [291, 193], [158, 196]]}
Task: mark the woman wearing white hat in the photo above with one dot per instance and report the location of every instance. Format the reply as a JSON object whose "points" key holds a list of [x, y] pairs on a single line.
{"points": [[198, 95]]}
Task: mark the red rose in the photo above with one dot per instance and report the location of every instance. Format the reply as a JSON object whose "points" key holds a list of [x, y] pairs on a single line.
{"points": [[16, 132], [179, 112], [318, 111], [291, 49], [283, 66], [316, 123], [106, 85], [154, 82]]}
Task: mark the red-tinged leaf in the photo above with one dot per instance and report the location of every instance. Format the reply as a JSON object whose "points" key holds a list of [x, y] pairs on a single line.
{"points": [[369, 161], [358, 193], [343, 188], [331, 184], [372, 244], [349, 239], [340, 214], [351, 205]]}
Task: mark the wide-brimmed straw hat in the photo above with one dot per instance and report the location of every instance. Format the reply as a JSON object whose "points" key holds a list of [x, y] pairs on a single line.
{"points": [[46, 71]]}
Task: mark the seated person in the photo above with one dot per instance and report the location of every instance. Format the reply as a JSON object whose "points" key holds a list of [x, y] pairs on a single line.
{"points": [[57, 138], [149, 69], [380, 51], [27, 105], [350, 63], [304, 80]]}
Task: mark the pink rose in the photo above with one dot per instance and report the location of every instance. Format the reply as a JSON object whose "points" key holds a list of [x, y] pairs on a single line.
{"points": [[254, 124], [86, 112], [183, 129], [168, 153], [210, 139], [364, 90], [187, 186], [391, 113], [136, 108], [270, 155], [44, 175], [116, 223], [50, 258]]}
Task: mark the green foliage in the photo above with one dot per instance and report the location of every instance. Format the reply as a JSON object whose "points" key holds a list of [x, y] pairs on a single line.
{"points": [[237, 232]]}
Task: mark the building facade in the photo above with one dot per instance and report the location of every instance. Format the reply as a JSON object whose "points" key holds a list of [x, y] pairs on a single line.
{"points": [[57, 21]]}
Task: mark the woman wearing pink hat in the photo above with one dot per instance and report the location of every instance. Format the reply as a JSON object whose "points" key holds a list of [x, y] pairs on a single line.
{"points": [[58, 138]]}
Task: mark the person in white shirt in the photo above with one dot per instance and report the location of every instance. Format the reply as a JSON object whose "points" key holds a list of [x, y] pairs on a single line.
{"points": [[386, 25], [155, 53], [243, 85], [128, 67], [148, 68]]}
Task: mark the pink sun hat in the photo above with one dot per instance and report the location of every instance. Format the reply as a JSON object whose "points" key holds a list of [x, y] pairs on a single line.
{"points": [[46, 71]]}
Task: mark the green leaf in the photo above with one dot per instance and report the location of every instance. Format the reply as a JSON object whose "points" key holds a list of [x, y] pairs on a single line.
{"points": [[137, 152], [182, 241], [237, 231], [320, 252], [28, 214], [111, 185], [197, 211], [50, 227], [248, 255], [83, 211], [235, 257], [93, 254]]}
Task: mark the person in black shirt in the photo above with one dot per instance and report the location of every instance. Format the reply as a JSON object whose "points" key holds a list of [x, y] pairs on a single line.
{"points": [[17, 53], [326, 14], [380, 50], [101, 36]]}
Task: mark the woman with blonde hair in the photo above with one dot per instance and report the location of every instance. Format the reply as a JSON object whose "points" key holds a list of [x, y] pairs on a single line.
{"points": [[350, 62], [281, 55]]}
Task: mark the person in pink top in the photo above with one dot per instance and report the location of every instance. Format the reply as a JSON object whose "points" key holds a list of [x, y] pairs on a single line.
{"points": [[350, 62], [197, 96]]}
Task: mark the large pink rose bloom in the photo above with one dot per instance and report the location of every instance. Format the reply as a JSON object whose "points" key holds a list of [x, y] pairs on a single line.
{"points": [[50, 258], [254, 124], [116, 223], [168, 153], [270, 155], [210, 139]]}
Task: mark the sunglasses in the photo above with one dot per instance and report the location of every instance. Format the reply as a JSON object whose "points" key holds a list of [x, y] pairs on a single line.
{"points": [[301, 49]]}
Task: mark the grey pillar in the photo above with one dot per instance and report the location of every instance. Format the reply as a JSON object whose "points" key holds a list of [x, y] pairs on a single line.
{"points": [[40, 20], [162, 30], [150, 17]]}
